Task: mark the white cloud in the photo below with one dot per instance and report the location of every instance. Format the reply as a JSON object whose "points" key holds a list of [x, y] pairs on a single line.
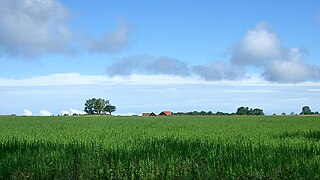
{"points": [[313, 90], [72, 111], [45, 113], [33, 27], [262, 47], [65, 112], [291, 71], [76, 79], [27, 112], [55, 79], [257, 47], [75, 111]]}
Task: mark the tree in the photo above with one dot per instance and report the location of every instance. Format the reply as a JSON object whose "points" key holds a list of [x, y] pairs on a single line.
{"points": [[257, 111], [241, 111], [89, 106], [249, 111], [292, 113], [109, 109], [306, 110], [98, 106]]}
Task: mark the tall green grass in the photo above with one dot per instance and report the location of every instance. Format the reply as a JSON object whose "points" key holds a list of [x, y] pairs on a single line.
{"points": [[238, 147]]}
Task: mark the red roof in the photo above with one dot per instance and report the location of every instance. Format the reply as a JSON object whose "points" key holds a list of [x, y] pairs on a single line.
{"points": [[165, 113]]}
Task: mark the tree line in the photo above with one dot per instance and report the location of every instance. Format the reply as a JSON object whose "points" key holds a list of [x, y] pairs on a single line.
{"points": [[202, 113], [306, 110], [240, 111], [249, 111], [98, 106]]}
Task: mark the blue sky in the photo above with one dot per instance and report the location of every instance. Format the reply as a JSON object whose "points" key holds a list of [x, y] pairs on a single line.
{"points": [[159, 55]]}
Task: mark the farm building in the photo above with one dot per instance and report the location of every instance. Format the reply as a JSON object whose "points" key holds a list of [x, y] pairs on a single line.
{"points": [[149, 114], [163, 113], [145, 114]]}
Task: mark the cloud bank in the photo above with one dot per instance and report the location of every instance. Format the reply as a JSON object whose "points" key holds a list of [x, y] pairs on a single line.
{"points": [[32, 28], [45, 113], [27, 112], [148, 65], [260, 48], [42, 112], [291, 69], [72, 111], [156, 93], [212, 72], [110, 42]]}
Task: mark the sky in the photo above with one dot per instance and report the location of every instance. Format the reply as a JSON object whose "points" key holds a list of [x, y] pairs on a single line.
{"points": [[143, 56]]}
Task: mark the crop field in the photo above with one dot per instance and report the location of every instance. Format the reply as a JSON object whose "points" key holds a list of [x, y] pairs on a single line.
{"points": [[176, 147]]}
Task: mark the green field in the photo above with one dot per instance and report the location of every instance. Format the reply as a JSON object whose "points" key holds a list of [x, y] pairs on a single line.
{"points": [[177, 147]]}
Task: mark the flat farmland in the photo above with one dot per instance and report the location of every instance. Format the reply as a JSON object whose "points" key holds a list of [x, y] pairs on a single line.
{"points": [[175, 147]]}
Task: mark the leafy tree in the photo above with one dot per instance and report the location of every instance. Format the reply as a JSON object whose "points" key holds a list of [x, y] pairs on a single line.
{"points": [[306, 110], [249, 111], [258, 111], [241, 111], [219, 113], [89, 106], [109, 109], [98, 106]]}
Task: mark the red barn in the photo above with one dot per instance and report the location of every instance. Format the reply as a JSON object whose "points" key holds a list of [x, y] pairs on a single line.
{"points": [[165, 113], [149, 114]]}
